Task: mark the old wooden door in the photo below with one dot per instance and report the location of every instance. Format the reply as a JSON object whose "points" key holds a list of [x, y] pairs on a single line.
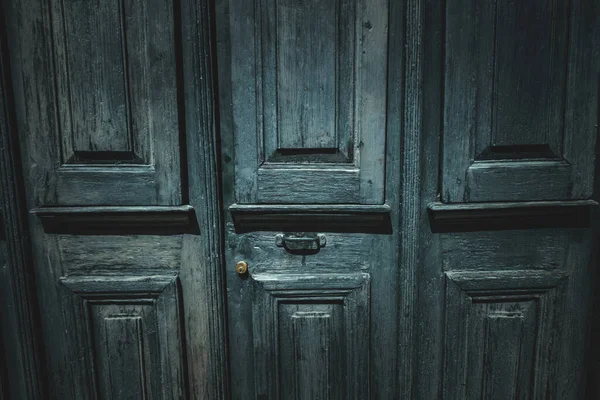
{"points": [[303, 122], [307, 199]]}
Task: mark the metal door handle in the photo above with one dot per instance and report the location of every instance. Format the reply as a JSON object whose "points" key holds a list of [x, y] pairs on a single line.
{"points": [[305, 243]]}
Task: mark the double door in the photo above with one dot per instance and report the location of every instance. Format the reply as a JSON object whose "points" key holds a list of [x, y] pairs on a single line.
{"points": [[308, 199]]}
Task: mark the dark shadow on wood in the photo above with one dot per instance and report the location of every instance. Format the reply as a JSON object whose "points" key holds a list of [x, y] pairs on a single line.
{"points": [[105, 157], [312, 218], [142, 220], [518, 152], [469, 217], [326, 155]]}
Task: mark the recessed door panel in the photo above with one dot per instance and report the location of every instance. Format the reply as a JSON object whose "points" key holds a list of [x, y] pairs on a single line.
{"points": [[512, 78], [113, 124], [124, 335], [501, 330], [311, 336], [309, 100]]}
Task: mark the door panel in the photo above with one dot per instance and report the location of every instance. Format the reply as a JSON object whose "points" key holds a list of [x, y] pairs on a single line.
{"points": [[513, 76], [124, 333], [303, 97], [115, 140], [309, 100], [100, 112], [501, 333], [311, 336]]}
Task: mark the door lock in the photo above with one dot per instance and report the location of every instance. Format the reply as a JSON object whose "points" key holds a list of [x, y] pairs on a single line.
{"points": [[241, 267]]}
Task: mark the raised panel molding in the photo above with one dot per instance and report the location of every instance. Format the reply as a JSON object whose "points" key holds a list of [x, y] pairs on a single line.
{"points": [[114, 79], [126, 336], [22, 374], [309, 218], [309, 100], [501, 334], [311, 336], [117, 219], [515, 79], [510, 215]]}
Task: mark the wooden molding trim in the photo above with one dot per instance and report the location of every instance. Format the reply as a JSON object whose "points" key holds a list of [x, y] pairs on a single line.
{"points": [[512, 215], [23, 375], [311, 218], [120, 219]]}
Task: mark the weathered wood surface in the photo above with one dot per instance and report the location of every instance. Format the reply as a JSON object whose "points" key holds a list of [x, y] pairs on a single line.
{"points": [[22, 359], [337, 191], [308, 100], [520, 100], [501, 332], [357, 147], [103, 116], [490, 252], [119, 164], [202, 273], [116, 318]]}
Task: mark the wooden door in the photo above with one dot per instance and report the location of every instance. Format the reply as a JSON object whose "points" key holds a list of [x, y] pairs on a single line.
{"points": [[303, 123], [301, 199], [122, 203], [514, 89]]}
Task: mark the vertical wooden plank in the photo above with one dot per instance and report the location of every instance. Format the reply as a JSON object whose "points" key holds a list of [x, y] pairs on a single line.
{"points": [[95, 48], [456, 345], [307, 76], [530, 70], [19, 324], [371, 80], [413, 168], [312, 335], [468, 71], [202, 270], [502, 354], [582, 104], [246, 88], [125, 356], [578, 341]]}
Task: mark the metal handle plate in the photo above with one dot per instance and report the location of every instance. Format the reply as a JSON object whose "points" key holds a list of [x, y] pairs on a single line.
{"points": [[301, 242]]}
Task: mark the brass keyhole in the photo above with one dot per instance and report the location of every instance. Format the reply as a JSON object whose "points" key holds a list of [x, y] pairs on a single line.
{"points": [[241, 267]]}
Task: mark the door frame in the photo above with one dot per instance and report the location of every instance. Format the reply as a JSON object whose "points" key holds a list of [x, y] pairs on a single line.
{"points": [[22, 355]]}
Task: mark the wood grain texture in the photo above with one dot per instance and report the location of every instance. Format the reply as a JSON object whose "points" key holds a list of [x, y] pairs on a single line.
{"points": [[577, 341], [323, 87], [507, 310], [303, 185], [308, 90], [410, 213], [507, 95], [284, 300], [22, 349], [202, 265], [119, 254], [350, 252], [307, 57], [124, 354], [356, 242], [101, 119], [144, 313], [483, 309], [98, 89], [543, 249]]}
